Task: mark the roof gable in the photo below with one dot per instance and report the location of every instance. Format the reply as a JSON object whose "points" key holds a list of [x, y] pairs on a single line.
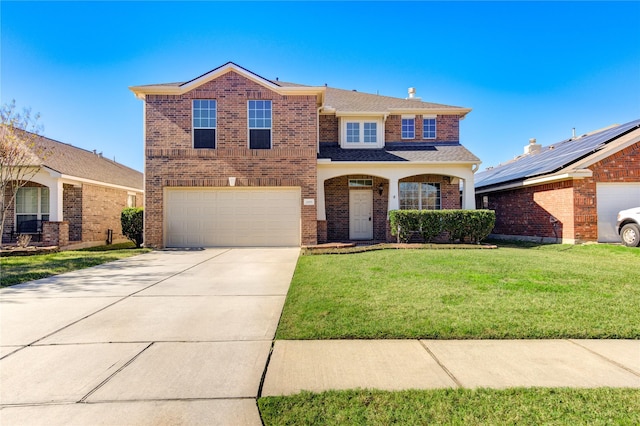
{"points": [[182, 88], [553, 158]]}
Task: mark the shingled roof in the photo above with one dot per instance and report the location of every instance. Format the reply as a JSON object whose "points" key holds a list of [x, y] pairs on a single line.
{"points": [[76, 162], [401, 152]]}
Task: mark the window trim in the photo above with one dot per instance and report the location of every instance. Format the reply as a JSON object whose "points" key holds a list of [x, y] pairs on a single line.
{"points": [[420, 201], [270, 128], [194, 128], [361, 122], [402, 131], [424, 128], [39, 214]]}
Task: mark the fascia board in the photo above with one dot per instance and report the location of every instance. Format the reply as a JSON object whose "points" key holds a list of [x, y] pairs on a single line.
{"points": [[462, 112], [69, 178], [327, 161], [378, 114], [558, 177], [142, 91]]}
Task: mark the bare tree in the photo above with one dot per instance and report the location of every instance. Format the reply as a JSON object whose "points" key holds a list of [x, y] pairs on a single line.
{"points": [[20, 157]]}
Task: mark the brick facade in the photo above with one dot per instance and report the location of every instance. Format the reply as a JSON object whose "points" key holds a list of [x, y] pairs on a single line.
{"points": [[447, 129], [171, 160], [88, 212], [562, 211], [337, 204]]}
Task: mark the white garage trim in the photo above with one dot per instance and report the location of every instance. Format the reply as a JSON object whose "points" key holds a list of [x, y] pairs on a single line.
{"points": [[232, 217], [613, 197]]}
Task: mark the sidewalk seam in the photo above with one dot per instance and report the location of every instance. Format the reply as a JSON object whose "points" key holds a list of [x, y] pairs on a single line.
{"points": [[617, 364], [445, 369], [105, 381]]}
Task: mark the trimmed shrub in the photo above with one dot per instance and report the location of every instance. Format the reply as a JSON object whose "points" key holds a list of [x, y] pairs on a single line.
{"points": [[132, 220], [474, 225]]}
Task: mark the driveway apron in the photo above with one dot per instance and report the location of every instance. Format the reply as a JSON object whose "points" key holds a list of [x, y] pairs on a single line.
{"points": [[168, 337]]}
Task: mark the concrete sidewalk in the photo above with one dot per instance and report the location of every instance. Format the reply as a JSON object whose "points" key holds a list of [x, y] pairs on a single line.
{"points": [[168, 337], [428, 364]]}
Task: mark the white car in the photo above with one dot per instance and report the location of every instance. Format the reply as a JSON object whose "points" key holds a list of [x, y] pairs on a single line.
{"points": [[628, 226]]}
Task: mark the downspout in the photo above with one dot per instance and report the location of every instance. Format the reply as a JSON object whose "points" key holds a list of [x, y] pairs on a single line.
{"points": [[318, 130]]}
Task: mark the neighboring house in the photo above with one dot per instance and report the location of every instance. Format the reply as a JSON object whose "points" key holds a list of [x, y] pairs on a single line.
{"points": [[567, 192], [234, 159], [75, 197]]}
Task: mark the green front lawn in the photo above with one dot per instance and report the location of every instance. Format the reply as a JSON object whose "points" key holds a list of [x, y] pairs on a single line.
{"points": [[455, 407], [19, 269], [548, 291]]}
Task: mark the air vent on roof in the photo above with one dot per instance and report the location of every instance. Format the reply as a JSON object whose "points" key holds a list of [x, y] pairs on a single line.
{"points": [[412, 94], [533, 147]]}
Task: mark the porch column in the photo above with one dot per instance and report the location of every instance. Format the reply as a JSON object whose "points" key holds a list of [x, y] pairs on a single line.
{"points": [[394, 202], [321, 211], [468, 194], [55, 202]]}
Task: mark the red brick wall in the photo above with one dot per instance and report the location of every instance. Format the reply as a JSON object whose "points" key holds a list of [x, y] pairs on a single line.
{"points": [[528, 211], [447, 129], [329, 128], [72, 211], [337, 203], [171, 160]]}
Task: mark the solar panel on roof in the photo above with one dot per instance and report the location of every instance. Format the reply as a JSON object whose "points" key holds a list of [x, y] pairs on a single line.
{"points": [[552, 158]]}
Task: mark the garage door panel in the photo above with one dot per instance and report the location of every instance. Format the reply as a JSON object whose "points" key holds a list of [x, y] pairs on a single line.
{"points": [[207, 217], [613, 197]]}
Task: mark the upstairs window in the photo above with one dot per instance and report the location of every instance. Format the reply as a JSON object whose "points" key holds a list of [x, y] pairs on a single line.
{"points": [[429, 128], [260, 124], [360, 133], [204, 123], [408, 128], [353, 132], [419, 196]]}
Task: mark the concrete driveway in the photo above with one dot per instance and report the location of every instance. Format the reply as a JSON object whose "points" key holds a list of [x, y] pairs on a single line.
{"points": [[168, 337]]}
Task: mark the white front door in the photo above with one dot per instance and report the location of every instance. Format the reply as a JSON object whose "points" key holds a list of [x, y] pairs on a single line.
{"points": [[360, 215]]}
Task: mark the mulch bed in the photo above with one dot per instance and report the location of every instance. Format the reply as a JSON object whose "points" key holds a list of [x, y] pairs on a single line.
{"points": [[26, 251], [344, 248]]}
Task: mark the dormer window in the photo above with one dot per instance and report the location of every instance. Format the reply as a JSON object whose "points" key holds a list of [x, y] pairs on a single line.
{"points": [[361, 133]]}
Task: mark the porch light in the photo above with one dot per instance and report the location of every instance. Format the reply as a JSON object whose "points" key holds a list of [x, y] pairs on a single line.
{"points": [[380, 189]]}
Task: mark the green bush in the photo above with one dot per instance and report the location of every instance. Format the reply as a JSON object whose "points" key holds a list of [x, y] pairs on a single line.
{"points": [[132, 220], [474, 225]]}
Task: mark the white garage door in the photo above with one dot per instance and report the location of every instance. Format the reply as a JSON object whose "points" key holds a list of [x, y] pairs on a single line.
{"points": [[232, 217], [613, 197]]}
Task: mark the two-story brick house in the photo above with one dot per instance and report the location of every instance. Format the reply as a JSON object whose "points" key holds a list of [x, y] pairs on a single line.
{"points": [[234, 159]]}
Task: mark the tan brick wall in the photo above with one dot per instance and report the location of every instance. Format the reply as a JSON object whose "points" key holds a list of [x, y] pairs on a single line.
{"points": [[101, 209], [171, 160]]}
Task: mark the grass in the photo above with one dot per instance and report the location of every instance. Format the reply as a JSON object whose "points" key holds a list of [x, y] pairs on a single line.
{"points": [[19, 269], [515, 292], [533, 406]]}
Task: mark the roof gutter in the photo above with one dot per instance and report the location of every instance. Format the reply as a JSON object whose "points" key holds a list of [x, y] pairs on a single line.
{"points": [[576, 174]]}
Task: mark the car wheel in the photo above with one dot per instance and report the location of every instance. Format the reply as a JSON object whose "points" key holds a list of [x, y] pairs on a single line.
{"points": [[630, 235]]}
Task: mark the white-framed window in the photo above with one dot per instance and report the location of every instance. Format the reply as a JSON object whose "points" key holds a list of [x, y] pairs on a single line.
{"points": [[429, 128], [419, 196], [204, 114], [31, 208], [408, 128], [259, 124], [361, 132], [131, 200], [353, 132], [360, 183]]}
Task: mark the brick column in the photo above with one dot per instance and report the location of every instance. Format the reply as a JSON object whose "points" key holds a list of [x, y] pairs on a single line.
{"points": [[55, 233]]}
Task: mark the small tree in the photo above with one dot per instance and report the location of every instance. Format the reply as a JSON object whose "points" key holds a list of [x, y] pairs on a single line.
{"points": [[132, 220], [20, 157]]}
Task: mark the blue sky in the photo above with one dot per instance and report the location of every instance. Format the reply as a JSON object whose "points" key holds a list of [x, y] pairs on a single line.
{"points": [[527, 69]]}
